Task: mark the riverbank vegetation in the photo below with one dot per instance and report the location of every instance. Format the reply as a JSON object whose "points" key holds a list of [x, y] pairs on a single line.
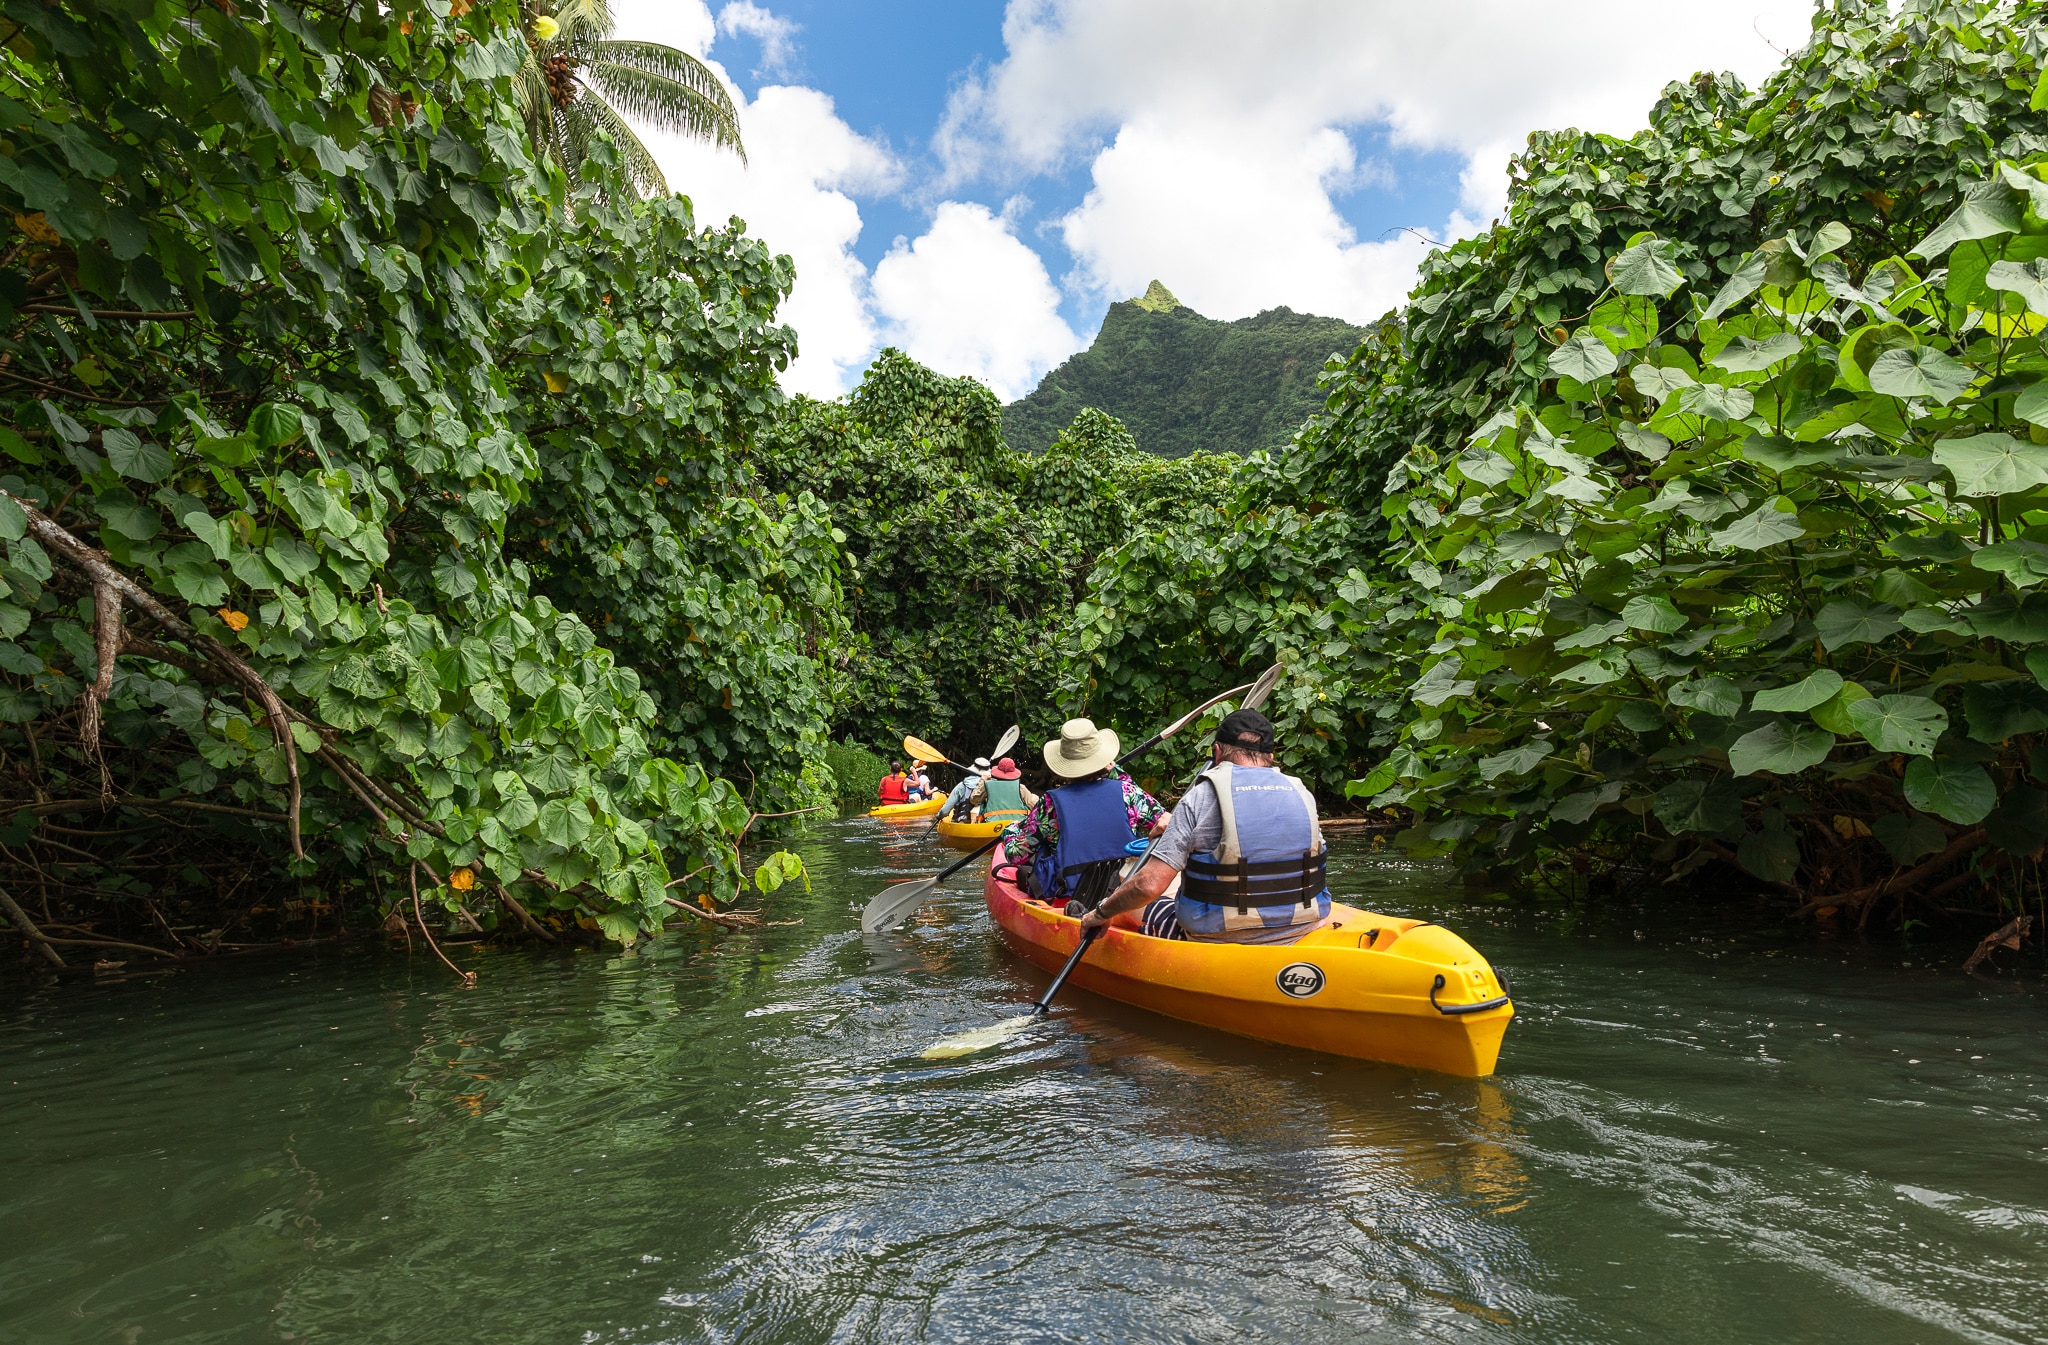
{"points": [[361, 468], [1684, 522], [388, 509]]}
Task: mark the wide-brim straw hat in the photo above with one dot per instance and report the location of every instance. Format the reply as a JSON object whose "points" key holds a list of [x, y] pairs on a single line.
{"points": [[1082, 749]]}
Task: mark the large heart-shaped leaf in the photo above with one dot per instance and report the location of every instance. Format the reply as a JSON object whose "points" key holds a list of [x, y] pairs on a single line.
{"points": [[2028, 280], [2024, 564], [1584, 357], [1658, 383], [1716, 401], [1958, 793], [1517, 760], [1814, 689], [1648, 268], [1996, 711], [1649, 443], [1988, 211], [1908, 836], [1900, 723], [2013, 618], [1775, 520], [1847, 621], [2032, 403], [1653, 612], [1920, 371], [1743, 355], [1710, 695], [1772, 854], [1744, 281], [1697, 805], [1993, 464], [1783, 747], [1833, 713]]}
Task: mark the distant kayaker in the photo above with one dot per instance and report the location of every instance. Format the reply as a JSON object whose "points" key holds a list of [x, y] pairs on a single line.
{"points": [[1002, 796], [1071, 840], [920, 784], [960, 799], [1246, 840], [895, 785]]}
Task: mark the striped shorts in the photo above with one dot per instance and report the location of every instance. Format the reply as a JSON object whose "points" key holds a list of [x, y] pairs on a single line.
{"points": [[1160, 922]]}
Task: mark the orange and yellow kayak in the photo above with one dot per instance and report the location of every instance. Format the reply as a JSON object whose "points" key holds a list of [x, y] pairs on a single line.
{"points": [[968, 835], [900, 811], [1376, 987]]}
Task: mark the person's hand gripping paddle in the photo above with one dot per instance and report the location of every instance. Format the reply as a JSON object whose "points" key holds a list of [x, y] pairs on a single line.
{"points": [[982, 1038]]}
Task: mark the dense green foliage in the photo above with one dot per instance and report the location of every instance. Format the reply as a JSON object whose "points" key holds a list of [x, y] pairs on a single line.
{"points": [[856, 775], [1707, 440], [379, 427], [1184, 383], [966, 555]]}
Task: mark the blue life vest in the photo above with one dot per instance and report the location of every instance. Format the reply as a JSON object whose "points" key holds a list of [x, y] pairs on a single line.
{"points": [[1094, 827], [1267, 874]]}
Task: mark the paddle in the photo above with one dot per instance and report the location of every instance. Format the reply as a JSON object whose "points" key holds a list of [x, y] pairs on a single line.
{"points": [[925, 752], [892, 904], [982, 1038]]}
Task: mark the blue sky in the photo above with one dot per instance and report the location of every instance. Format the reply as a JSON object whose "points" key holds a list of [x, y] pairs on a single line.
{"points": [[975, 182], [891, 67]]}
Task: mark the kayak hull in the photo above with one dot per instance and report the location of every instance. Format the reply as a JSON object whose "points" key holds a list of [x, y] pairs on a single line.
{"points": [[901, 811], [1360, 986], [969, 835]]}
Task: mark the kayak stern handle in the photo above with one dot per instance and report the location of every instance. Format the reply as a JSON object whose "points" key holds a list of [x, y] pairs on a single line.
{"points": [[1455, 1010]]}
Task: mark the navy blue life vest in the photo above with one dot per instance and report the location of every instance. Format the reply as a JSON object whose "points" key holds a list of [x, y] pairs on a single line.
{"points": [[1094, 827], [1267, 873]]}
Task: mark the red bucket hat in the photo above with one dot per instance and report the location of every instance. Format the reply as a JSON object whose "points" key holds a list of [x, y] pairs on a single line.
{"points": [[1006, 769]]}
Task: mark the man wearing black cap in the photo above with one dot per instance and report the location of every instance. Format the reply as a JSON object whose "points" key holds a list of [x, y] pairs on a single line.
{"points": [[1247, 846]]}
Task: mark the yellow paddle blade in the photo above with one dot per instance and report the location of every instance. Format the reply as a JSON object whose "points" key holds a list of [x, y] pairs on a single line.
{"points": [[980, 1039], [922, 750]]}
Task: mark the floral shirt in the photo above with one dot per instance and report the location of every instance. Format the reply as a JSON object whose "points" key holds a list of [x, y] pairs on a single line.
{"points": [[1039, 832]]}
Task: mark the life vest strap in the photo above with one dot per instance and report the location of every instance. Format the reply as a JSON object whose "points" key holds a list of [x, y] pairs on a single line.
{"points": [[1245, 884]]}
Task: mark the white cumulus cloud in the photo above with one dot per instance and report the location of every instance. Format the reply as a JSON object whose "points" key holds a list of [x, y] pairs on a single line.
{"points": [[1221, 133], [969, 297], [775, 34]]}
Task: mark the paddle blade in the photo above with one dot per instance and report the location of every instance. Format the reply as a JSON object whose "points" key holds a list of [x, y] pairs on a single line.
{"points": [[891, 907], [1004, 743], [922, 750], [980, 1039], [1263, 688]]}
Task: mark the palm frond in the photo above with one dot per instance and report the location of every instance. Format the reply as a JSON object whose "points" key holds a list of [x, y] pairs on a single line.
{"points": [[633, 155], [585, 20], [640, 80]]}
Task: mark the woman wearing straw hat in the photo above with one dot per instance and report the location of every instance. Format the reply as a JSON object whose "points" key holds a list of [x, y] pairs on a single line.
{"points": [[1072, 841]]}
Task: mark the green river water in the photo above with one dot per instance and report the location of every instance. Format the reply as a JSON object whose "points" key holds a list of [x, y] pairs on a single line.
{"points": [[1699, 1133]]}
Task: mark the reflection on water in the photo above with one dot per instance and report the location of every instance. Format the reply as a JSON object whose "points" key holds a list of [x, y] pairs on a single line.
{"points": [[1697, 1135]]}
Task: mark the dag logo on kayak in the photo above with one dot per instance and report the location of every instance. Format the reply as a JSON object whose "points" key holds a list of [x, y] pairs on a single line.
{"points": [[1299, 979]]}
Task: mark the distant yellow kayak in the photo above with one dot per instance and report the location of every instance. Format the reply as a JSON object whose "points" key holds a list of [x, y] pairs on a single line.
{"points": [[1378, 987], [900, 811], [968, 835]]}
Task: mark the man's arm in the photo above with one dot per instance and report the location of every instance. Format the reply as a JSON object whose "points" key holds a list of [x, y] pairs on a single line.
{"points": [[1146, 885]]}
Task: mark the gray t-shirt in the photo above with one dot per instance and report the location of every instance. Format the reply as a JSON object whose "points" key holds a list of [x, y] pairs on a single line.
{"points": [[1196, 827]]}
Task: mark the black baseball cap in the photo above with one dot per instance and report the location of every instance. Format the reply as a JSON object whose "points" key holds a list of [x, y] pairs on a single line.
{"points": [[1247, 729]]}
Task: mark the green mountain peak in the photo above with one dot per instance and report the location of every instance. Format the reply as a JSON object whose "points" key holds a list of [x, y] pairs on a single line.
{"points": [[1157, 299], [1182, 383]]}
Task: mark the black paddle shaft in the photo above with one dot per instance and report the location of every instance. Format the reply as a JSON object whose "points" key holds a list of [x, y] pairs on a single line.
{"points": [[1044, 1004]]}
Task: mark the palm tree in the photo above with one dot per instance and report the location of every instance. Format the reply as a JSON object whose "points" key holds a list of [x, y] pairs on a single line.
{"points": [[578, 81]]}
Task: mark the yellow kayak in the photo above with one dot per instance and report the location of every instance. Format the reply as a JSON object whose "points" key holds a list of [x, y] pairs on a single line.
{"points": [[905, 810], [969, 835], [1376, 987]]}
